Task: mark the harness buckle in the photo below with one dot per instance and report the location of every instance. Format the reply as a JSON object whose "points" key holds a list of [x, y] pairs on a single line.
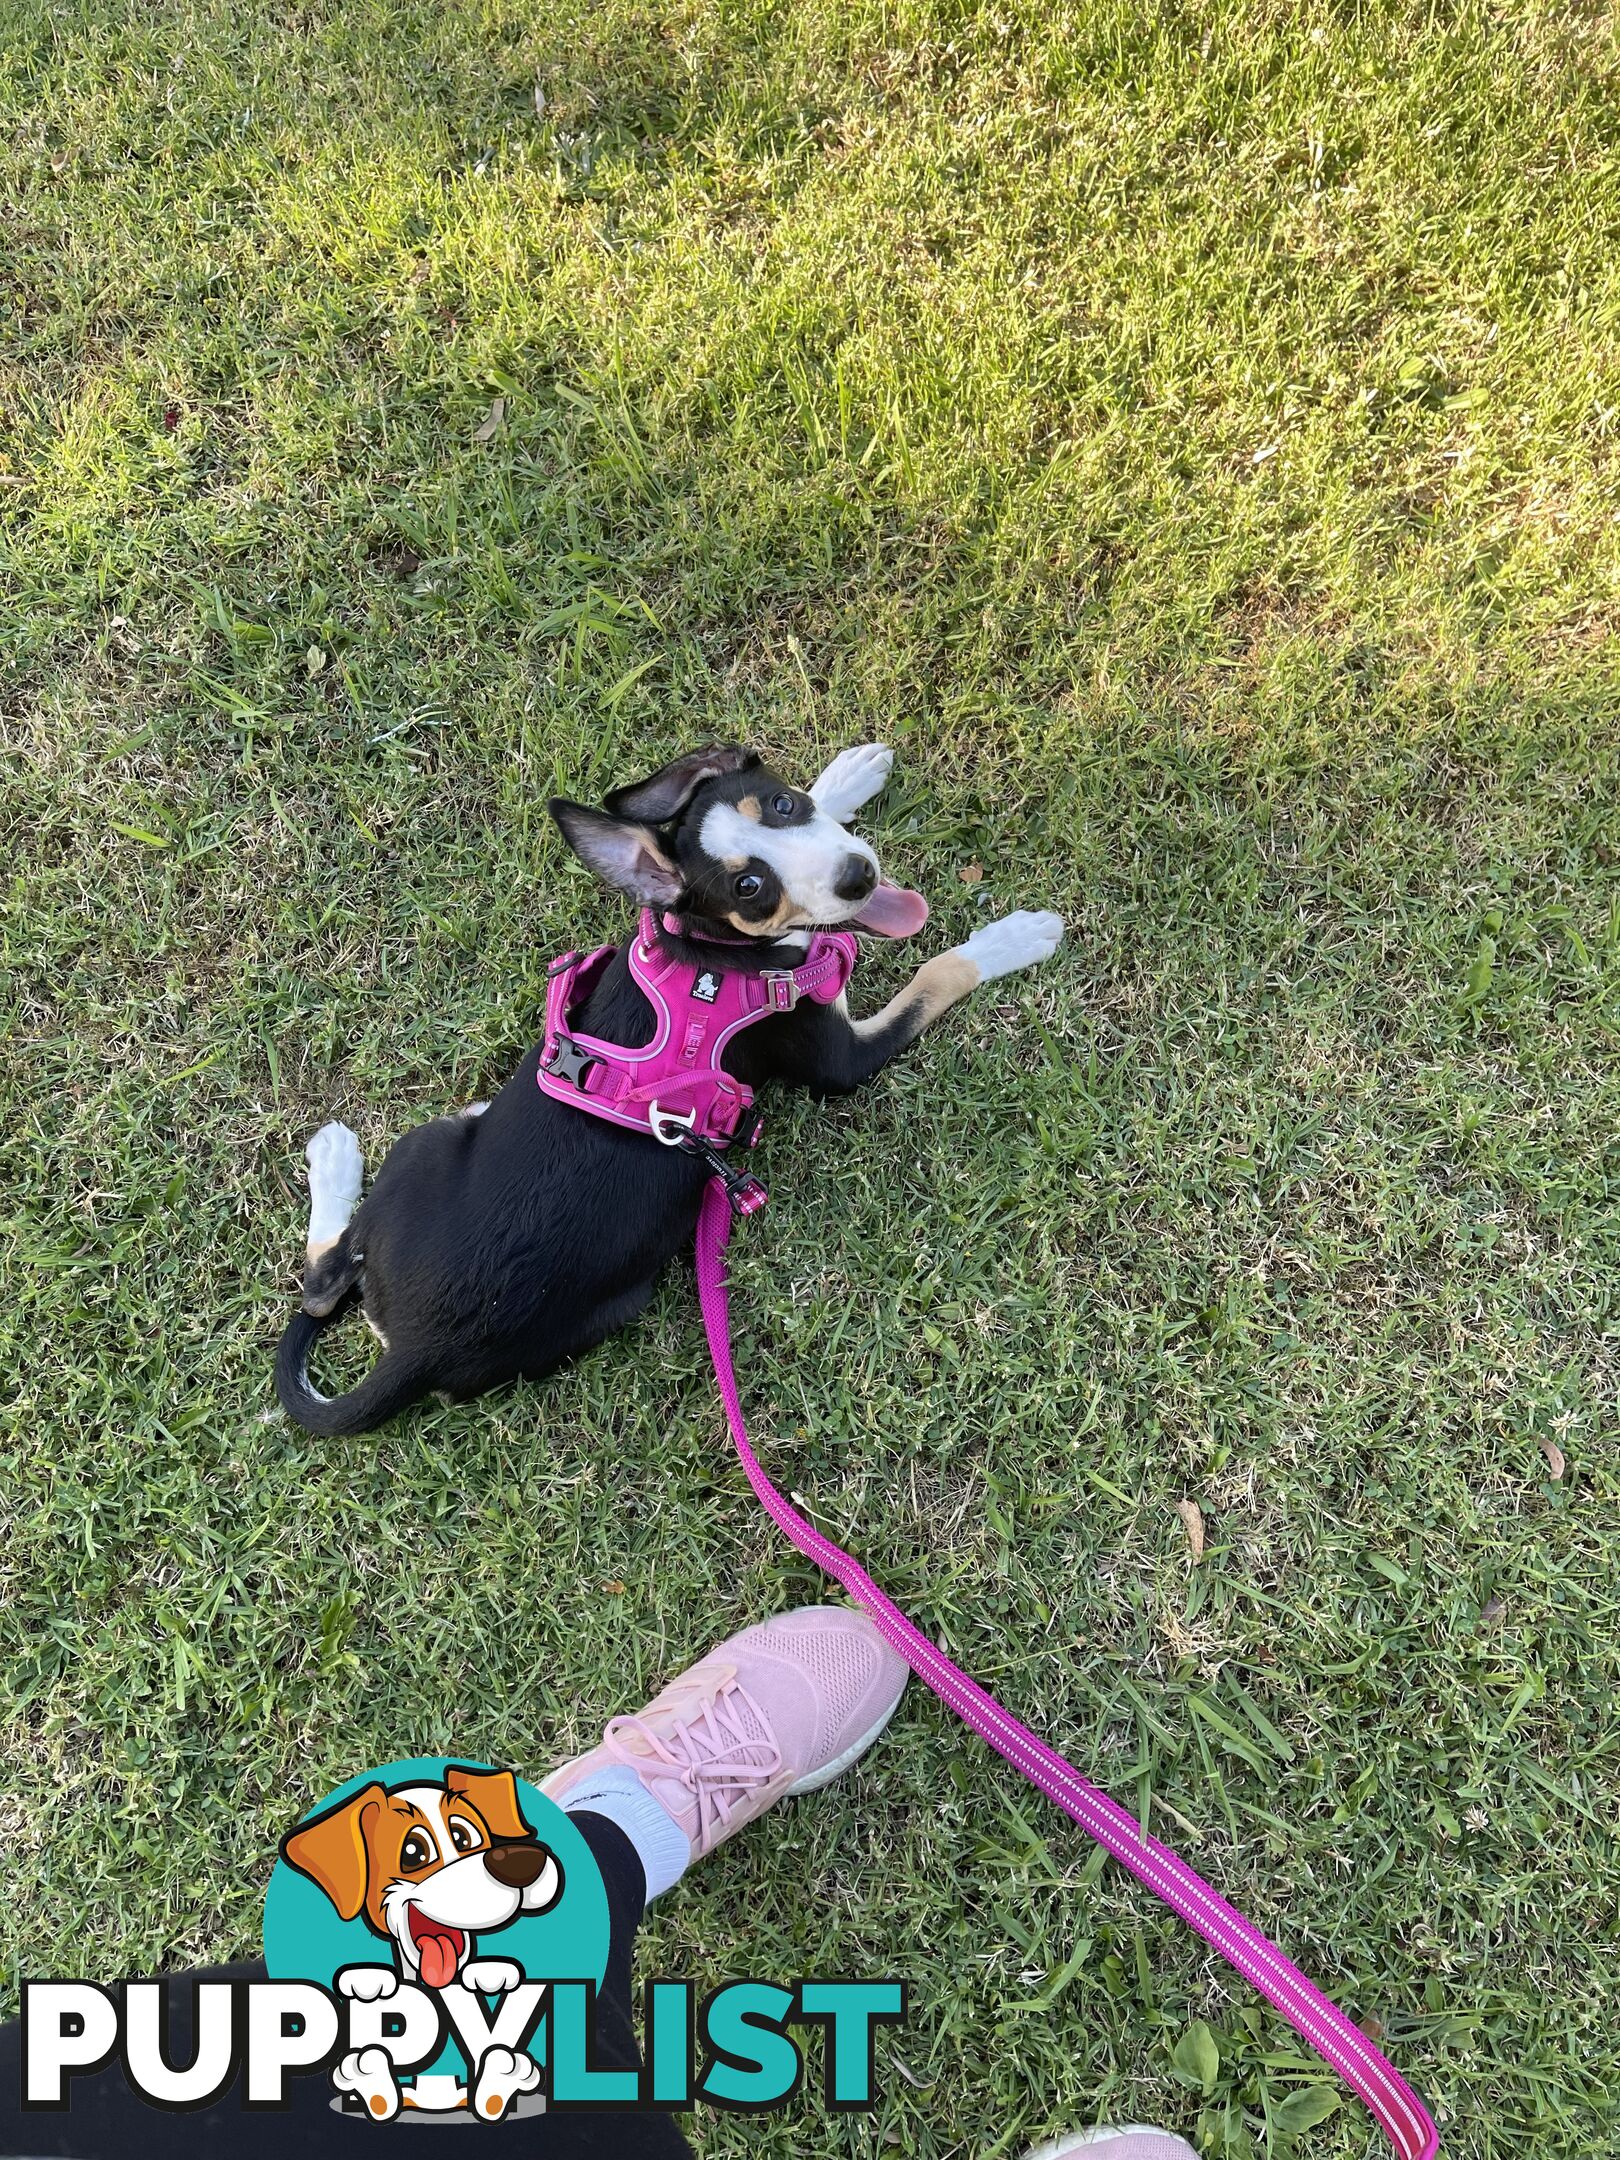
{"points": [[748, 1126], [781, 989], [567, 1061], [669, 1127]]}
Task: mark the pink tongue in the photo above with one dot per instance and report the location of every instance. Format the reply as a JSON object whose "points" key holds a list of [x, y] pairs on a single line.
{"points": [[438, 1955], [893, 912]]}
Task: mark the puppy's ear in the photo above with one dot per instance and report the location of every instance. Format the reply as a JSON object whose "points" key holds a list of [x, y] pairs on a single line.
{"points": [[331, 1850], [666, 793], [494, 1794], [620, 851]]}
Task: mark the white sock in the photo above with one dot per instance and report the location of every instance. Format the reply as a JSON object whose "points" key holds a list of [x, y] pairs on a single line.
{"points": [[619, 1795]]}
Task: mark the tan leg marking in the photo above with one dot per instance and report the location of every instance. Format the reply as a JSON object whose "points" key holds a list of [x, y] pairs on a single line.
{"points": [[937, 985]]}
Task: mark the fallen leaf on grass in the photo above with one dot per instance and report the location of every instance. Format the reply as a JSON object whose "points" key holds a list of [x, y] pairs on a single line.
{"points": [[399, 562], [614, 1587], [1192, 1516], [1555, 1458], [970, 873], [493, 421]]}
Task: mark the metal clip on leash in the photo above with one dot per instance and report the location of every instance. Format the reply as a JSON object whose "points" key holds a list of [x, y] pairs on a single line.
{"points": [[745, 1192]]}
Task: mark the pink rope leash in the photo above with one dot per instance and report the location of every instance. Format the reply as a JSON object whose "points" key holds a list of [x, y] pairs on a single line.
{"points": [[1402, 2116]]}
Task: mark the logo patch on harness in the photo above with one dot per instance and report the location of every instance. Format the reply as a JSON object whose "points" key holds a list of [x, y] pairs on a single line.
{"points": [[707, 988]]}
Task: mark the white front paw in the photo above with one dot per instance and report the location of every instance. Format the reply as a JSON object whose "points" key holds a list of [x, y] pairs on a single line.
{"points": [[502, 2075], [368, 1983], [1017, 941], [491, 1976], [368, 2073], [853, 778]]}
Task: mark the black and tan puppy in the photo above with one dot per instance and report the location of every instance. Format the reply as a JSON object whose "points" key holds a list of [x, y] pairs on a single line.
{"points": [[499, 1241]]}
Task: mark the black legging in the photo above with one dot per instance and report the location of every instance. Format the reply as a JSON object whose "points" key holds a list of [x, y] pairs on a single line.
{"points": [[105, 2121]]}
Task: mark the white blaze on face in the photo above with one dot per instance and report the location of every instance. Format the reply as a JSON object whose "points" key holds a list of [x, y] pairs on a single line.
{"points": [[808, 859], [460, 1896]]}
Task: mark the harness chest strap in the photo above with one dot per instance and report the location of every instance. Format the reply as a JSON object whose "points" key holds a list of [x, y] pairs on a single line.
{"points": [[675, 1086], [1321, 2024]]}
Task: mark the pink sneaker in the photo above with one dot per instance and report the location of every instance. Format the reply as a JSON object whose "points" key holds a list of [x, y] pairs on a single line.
{"points": [[1132, 2142], [781, 1708]]}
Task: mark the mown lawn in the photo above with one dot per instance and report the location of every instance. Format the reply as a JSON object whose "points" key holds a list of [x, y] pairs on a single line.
{"points": [[1190, 438]]}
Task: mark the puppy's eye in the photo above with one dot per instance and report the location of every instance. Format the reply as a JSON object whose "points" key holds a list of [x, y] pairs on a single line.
{"points": [[748, 887], [783, 805], [416, 1851], [461, 1835]]}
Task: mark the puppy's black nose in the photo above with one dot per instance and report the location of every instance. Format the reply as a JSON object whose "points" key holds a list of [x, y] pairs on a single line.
{"points": [[516, 1865], [856, 879]]}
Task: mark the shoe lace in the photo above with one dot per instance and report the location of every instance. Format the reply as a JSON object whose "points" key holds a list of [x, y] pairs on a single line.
{"points": [[710, 1750]]}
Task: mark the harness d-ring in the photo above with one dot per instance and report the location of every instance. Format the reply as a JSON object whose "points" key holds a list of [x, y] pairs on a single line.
{"points": [[669, 1126]]}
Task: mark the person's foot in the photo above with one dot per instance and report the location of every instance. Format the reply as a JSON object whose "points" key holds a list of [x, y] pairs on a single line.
{"points": [[780, 1709], [1132, 2142]]}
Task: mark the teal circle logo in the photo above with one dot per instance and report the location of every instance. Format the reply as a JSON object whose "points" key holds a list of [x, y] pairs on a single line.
{"points": [[438, 1898]]}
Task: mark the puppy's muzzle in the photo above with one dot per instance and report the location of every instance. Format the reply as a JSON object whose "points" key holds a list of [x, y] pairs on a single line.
{"points": [[517, 1863]]}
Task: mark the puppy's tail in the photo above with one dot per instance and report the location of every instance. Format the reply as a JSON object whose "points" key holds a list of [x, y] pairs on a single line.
{"points": [[392, 1383]]}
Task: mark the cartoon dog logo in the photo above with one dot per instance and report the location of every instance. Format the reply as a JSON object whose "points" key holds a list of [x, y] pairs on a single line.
{"points": [[430, 1868]]}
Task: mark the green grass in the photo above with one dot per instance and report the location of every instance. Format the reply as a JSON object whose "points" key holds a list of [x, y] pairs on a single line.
{"points": [[1192, 439]]}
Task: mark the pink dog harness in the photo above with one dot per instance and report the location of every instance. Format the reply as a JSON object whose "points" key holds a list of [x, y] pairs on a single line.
{"points": [[675, 1086], [676, 1090]]}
